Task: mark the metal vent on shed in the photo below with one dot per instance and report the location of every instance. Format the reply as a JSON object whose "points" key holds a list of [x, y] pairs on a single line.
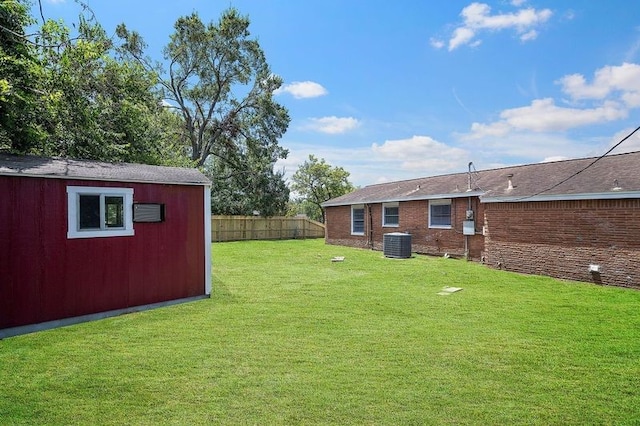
{"points": [[148, 212], [396, 244]]}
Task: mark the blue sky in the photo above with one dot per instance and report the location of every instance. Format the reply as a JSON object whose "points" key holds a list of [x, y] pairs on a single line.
{"points": [[405, 89]]}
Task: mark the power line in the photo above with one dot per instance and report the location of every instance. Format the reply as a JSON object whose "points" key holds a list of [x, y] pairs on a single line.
{"points": [[583, 169]]}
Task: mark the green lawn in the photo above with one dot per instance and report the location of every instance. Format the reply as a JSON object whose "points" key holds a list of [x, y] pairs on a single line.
{"points": [[290, 337]]}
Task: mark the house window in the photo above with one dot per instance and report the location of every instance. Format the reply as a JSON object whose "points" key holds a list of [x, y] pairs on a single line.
{"points": [[357, 220], [99, 212], [440, 214], [390, 214]]}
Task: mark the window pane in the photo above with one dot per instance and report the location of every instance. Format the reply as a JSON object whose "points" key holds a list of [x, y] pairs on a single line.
{"points": [[89, 212], [391, 216], [441, 215], [114, 212], [358, 221]]}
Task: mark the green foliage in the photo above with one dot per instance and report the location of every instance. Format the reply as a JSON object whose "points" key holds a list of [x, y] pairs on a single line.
{"points": [[315, 182], [19, 79], [248, 184], [289, 337], [300, 206], [101, 107], [222, 86], [75, 96], [78, 95]]}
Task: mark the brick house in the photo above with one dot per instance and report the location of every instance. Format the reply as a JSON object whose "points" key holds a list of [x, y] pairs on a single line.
{"points": [[576, 219]]}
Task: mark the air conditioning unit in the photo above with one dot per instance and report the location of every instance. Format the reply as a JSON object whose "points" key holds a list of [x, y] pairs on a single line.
{"points": [[396, 244]]}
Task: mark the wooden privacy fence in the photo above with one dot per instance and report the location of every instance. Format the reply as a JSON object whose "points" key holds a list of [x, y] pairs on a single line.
{"points": [[235, 228]]}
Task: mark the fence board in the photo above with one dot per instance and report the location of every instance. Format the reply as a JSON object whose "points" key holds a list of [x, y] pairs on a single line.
{"points": [[237, 228]]}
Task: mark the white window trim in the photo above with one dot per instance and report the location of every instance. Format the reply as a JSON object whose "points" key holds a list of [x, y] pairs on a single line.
{"points": [[390, 225], [354, 207], [439, 202], [207, 239], [73, 200]]}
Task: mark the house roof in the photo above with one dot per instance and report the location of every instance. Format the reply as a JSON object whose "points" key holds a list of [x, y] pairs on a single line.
{"points": [[65, 168], [613, 176]]}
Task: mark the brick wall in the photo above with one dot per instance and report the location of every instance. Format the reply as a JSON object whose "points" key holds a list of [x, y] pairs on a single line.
{"points": [[413, 219], [562, 238], [337, 223]]}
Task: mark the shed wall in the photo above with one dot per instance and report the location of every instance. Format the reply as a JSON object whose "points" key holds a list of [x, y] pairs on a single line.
{"points": [[46, 276]]}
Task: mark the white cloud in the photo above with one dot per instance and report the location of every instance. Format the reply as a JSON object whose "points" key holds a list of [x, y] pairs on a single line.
{"points": [[633, 50], [477, 18], [390, 161], [438, 44], [421, 153], [303, 89], [610, 96], [523, 148], [543, 115], [480, 130], [461, 36], [554, 158], [530, 35], [631, 144], [332, 125], [607, 80]]}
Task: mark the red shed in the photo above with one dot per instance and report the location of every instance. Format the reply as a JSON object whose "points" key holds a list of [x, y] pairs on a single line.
{"points": [[81, 240]]}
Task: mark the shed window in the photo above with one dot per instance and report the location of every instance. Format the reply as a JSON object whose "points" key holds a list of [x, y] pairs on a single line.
{"points": [[390, 214], [99, 212], [357, 220], [440, 214]]}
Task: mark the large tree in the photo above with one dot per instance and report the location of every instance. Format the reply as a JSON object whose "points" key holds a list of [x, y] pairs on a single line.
{"points": [[19, 79], [252, 187], [220, 83], [99, 104], [76, 96], [315, 182]]}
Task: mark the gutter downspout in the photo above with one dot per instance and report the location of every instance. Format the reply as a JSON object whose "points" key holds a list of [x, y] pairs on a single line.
{"points": [[370, 230], [466, 237]]}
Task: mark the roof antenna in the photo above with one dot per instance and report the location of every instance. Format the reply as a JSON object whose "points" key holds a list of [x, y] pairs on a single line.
{"points": [[616, 185]]}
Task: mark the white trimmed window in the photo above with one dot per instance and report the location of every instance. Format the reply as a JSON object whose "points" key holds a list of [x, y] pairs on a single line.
{"points": [[390, 214], [99, 212], [357, 220], [440, 213]]}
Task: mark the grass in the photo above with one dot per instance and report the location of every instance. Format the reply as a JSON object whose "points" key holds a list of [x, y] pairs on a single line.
{"points": [[289, 337]]}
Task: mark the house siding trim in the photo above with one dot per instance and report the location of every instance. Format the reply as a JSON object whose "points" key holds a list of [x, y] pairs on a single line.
{"points": [[618, 195], [64, 322], [207, 240], [112, 180], [404, 199]]}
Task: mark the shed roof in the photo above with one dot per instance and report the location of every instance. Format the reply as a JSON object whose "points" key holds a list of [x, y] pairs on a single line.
{"points": [[66, 168], [613, 176]]}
